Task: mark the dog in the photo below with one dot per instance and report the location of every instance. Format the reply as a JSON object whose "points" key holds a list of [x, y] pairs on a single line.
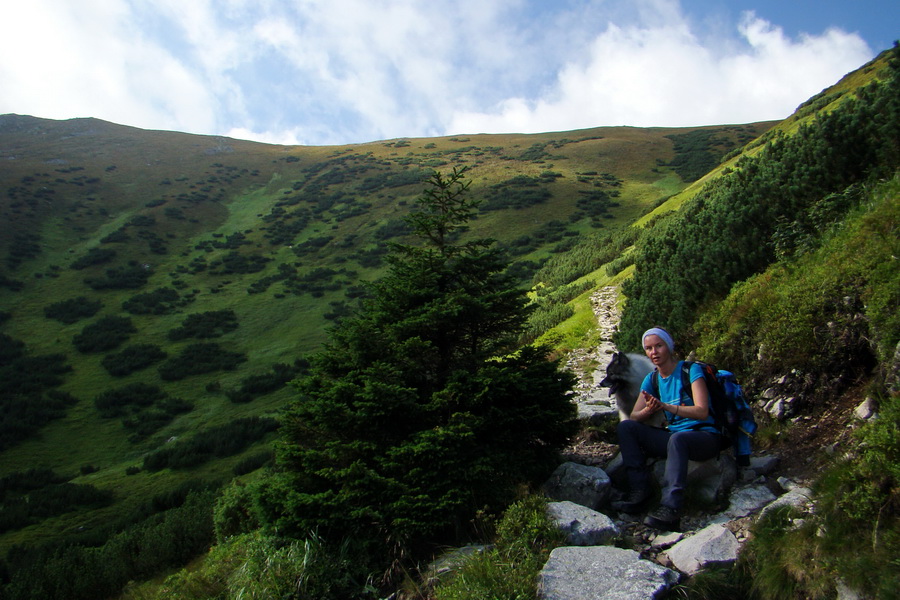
{"points": [[624, 375]]}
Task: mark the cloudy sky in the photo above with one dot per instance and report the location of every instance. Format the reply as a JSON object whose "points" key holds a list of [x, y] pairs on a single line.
{"points": [[323, 72]]}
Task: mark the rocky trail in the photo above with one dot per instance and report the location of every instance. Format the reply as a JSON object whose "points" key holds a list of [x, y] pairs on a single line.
{"points": [[613, 555]]}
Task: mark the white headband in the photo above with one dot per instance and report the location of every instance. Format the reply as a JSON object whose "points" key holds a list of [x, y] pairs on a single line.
{"points": [[663, 335]]}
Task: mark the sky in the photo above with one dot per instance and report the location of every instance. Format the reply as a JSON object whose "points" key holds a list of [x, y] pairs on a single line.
{"points": [[324, 72]]}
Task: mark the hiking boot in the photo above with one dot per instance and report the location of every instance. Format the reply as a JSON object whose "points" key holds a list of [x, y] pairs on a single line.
{"points": [[632, 503], [663, 518]]}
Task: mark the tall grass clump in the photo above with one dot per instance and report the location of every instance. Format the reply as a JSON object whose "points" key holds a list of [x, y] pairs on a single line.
{"points": [[509, 568], [255, 566]]}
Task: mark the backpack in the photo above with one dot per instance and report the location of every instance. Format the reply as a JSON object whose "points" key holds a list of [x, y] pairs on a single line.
{"points": [[732, 415]]}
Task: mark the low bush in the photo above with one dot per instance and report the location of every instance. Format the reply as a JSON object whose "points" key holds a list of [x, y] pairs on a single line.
{"points": [[216, 442], [132, 358], [32, 496], [158, 302], [95, 256], [200, 358], [205, 325], [106, 334], [509, 568], [72, 310], [129, 277], [143, 408], [82, 569], [27, 398]]}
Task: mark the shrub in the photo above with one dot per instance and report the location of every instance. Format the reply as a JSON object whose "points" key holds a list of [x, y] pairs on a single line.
{"points": [[509, 568], [143, 408], [200, 358], [216, 442], [205, 325], [158, 302], [128, 277], [95, 256], [72, 310], [105, 334], [132, 358]]}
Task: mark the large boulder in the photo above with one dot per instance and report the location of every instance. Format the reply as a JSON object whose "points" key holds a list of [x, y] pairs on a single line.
{"points": [[602, 573], [714, 545], [581, 484]]}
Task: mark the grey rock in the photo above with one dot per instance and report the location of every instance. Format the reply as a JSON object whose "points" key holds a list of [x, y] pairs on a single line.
{"points": [[714, 545], [866, 410], [602, 573], [582, 525], [581, 484], [748, 500], [798, 497], [764, 465]]}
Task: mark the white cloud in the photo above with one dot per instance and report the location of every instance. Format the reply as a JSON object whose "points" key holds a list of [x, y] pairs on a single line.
{"points": [[340, 71], [662, 75]]}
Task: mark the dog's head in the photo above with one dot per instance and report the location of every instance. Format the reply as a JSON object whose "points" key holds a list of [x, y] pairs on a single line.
{"points": [[616, 372]]}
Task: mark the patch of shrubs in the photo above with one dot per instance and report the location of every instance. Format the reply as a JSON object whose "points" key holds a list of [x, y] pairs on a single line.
{"points": [[158, 302], [100, 561], [254, 462], [216, 442], [129, 277], [144, 409], [94, 256], [132, 358], [235, 262], [106, 334], [200, 358], [72, 310], [205, 325], [27, 400], [31, 496], [258, 385]]}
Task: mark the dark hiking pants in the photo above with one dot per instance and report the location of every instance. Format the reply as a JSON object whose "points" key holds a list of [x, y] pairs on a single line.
{"points": [[639, 442]]}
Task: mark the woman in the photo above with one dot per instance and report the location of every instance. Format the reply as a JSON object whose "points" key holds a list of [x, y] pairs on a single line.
{"points": [[690, 434]]}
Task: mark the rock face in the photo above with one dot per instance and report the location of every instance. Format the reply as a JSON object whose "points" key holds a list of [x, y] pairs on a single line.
{"points": [[602, 573]]}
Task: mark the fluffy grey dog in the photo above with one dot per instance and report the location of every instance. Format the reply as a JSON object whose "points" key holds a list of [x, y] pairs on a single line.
{"points": [[624, 375]]}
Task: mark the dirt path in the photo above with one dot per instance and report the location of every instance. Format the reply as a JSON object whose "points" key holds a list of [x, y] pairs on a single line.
{"points": [[589, 363]]}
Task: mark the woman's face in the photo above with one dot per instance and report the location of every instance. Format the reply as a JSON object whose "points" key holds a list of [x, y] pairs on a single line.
{"points": [[656, 350]]}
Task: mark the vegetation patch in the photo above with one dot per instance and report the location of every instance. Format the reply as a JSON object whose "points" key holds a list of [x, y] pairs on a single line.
{"points": [[132, 358], [197, 359], [94, 256], [158, 302], [143, 408], [217, 442], [30, 497], [129, 277], [106, 334], [72, 310], [206, 325]]}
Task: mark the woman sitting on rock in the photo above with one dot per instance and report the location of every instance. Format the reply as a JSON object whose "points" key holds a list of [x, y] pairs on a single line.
{"points": [[690, 434]]}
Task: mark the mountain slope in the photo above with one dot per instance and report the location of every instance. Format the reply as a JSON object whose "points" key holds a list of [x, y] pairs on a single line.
{"points": [[182, 278]]}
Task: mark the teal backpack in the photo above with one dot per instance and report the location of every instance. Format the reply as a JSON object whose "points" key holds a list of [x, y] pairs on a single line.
{"points": [[731, 413]]}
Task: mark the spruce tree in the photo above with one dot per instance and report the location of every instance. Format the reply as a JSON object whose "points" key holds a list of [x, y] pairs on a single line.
{"points": [[421, 409]]}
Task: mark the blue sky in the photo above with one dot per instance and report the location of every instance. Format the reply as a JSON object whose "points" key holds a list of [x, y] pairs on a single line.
{"points": [[321, 72]]}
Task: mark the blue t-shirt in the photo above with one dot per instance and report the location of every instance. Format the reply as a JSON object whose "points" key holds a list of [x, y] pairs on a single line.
{"points": [[671, 391]]}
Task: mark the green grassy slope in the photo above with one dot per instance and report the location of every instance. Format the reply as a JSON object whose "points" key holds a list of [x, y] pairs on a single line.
{"points": [[282, 236]]}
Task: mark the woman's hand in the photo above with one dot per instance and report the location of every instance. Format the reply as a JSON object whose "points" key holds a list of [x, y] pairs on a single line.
{"points": [[651, 403]]}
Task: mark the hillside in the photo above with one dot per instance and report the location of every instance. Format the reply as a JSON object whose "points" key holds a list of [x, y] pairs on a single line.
{"points": [[129, 255]]}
